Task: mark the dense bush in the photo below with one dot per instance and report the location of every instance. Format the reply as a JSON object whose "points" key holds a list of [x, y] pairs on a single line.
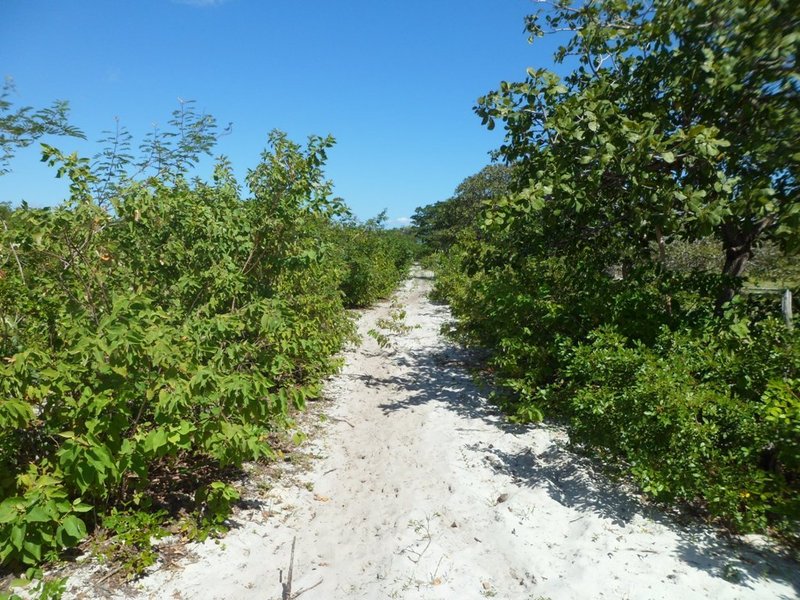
{"points": [[164, 331], [375, 260], [703, 409], [682, 414], [606, 278]]}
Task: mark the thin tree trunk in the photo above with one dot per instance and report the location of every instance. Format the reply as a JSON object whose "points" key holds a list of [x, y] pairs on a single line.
{"points": [[736, 257], [662, 258], [738, 245], [662, 246]]}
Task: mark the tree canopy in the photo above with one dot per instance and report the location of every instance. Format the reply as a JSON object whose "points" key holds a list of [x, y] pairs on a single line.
{"points": [[439, 224], [681, 120], [675, 131]]}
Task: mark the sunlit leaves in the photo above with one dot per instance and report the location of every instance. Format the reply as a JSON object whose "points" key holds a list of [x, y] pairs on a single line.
{"points": [[158, 323], [676, 127], [696, 101], [21, 126]]}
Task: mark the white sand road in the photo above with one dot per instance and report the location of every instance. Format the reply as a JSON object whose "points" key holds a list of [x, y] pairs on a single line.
{"points": [[421, 490]]}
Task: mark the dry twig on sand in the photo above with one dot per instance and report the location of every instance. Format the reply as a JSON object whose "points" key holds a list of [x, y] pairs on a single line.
{"points": [[287, 587]]}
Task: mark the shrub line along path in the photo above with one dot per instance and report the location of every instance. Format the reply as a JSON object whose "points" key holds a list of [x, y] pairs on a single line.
{"points": [[421, 490]]}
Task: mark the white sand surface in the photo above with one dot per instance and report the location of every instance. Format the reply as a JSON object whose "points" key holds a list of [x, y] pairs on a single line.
{"points": [[421, 490]]}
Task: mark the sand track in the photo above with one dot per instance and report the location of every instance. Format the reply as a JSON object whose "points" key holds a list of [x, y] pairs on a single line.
{"points": [[421, 490]]}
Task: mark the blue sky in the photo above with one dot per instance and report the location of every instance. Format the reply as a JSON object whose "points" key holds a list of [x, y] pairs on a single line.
{"points": [[394, 81]]}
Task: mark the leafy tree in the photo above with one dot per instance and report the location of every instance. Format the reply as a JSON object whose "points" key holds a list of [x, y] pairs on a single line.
{"points": [[439, 224], [166, 153], [670, 146], [374, 259], [155, 330], [681, 119]]}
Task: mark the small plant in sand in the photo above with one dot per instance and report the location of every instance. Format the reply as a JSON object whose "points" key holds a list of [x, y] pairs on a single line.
{"points": [[393, 324], [36, 586]]}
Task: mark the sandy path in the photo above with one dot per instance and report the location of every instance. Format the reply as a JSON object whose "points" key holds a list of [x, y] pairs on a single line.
{"points": [[422, 491]]}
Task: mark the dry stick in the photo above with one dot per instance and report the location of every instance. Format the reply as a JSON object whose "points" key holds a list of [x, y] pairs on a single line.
{"points": [[342, 420], [436, 572], [16, 257], [287, 587], [308, 589], [108, 575]]}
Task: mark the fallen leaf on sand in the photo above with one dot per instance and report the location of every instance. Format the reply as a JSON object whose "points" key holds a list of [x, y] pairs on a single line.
{"points": [[320, 498]]}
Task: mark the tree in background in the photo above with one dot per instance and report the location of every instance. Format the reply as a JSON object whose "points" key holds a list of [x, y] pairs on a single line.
{"points": [[438, 225]]}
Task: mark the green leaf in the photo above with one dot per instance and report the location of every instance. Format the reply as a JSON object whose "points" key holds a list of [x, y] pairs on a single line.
{"points": [[155, 440], [74, 527], [18, 536], [33, 551], [9, 511], [38, 515]]}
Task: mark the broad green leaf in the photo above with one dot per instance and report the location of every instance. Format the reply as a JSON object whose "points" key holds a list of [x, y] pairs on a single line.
{"points": [[17, 536], [37, 515], [74, 527], [9, 510]]}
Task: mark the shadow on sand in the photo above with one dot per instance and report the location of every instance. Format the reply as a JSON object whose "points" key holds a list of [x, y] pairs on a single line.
{"points": [[440, 374]]}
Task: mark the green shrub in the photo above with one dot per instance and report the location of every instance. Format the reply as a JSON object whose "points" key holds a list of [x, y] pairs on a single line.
{"points": [[673, 414], [172, 324], [375, 260], [605, 278]]}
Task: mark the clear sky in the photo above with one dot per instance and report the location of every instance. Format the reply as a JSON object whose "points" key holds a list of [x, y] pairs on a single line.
{"points": [[394, 81]]}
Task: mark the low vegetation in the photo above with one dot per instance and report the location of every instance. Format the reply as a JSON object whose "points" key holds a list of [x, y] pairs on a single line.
{"points": [[157, 330]]}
